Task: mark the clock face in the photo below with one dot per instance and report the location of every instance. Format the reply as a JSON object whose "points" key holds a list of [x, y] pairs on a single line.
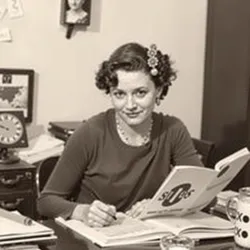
{"points": [[11, 129]]}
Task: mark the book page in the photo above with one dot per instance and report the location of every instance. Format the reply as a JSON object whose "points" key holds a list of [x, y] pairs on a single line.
{"points": [[228, 170], [194, 223], [223, 162], [179, 191], [125, 230], [124, 226]]}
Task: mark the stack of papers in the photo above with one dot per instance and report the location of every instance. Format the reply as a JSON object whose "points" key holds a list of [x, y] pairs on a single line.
{"points": [[12, 231], [222, 199], [41, 147]]}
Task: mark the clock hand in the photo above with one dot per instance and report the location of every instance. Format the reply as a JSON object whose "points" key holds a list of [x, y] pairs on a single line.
{"points": [[1, 126]]}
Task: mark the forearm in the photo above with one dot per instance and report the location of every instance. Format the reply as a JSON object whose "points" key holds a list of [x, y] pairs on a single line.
{"points": [[53, 206]]}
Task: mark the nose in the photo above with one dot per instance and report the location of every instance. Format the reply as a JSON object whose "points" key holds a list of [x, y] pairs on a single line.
{"points": [[131, 103]]}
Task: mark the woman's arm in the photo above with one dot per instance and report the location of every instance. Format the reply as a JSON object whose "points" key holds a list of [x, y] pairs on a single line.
{"points": [[54, 200]]}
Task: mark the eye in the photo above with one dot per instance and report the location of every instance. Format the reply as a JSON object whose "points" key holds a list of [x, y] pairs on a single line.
{"points": [[119, 94], [141, 93]]}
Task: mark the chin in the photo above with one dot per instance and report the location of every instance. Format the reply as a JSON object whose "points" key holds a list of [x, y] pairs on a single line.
{"points": [[134, 121]]}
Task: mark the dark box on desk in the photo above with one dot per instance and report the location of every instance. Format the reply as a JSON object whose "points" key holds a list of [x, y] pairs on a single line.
{"points": [[63, 129]]}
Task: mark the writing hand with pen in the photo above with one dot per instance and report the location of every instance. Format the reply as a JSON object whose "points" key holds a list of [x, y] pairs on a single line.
{"points": [[97, 214]]}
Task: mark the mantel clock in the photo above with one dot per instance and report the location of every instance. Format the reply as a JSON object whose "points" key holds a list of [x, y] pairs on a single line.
{"points": [[12, 135]]}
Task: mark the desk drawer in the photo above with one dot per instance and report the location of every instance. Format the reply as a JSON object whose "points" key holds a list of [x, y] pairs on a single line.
{"points": [[16, 180], [23, 202]]}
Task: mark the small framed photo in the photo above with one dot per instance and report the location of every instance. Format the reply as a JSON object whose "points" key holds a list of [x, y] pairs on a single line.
{"points": [[16, 91], [76, 12]]}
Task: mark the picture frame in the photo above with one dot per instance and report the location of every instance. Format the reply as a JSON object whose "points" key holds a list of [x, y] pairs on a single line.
{"points": [[76, 12], [16, 91]]}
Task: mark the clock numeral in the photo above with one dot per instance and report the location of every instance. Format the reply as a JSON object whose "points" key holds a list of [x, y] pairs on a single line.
{"points": [[19, 128], [5, 139]]}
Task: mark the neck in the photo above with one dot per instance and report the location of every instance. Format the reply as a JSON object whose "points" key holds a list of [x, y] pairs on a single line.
{"points": [[77, 11], [134, 135]]}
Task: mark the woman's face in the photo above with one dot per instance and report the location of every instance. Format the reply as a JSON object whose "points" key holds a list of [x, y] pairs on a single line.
{"points": [[134, 97], [75, 4]]}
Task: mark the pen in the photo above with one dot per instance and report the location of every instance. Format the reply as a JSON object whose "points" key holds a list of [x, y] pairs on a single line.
{"points": [[113, 216], [15, 217]]}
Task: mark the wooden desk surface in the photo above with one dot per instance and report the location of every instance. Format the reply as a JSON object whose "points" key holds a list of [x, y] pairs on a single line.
{"points": [[67, 240]]}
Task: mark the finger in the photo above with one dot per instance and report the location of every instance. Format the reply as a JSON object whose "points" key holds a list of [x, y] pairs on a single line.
{"points": [[93, 217], [93, 223], [109, 211], [136, 211], [102, 212]]}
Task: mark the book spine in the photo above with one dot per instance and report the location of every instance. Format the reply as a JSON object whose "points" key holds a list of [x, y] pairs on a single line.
{"points": [[59, 135], [59, 129]]}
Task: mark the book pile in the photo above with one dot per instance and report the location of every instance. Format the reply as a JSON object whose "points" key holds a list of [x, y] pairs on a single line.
{"points": [[15, 230], [63, 129], [222, 199]]}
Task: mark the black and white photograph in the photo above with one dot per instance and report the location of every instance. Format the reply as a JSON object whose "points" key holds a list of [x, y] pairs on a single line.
{"points": [[76, 12], [139, 136]]}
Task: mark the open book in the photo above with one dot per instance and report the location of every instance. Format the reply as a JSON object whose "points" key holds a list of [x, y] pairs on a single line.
{"points": [[126, 230], [188, 189]]}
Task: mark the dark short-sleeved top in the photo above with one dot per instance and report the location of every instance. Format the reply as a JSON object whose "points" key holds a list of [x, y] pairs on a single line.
{"points": [[107, 169]]}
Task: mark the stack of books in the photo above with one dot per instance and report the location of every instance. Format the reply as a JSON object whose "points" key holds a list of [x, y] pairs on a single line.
{"points": [[63, 129], [222, 199], [19, 229]]}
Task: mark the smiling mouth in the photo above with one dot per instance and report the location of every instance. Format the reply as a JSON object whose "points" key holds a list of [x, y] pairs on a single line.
{"points": [[132, 114]]}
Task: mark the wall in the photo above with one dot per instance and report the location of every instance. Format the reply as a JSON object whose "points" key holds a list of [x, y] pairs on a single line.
{"points": [[65, 69]]}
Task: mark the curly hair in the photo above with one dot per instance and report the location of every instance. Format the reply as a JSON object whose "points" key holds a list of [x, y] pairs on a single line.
{"points": [[133, 57]]}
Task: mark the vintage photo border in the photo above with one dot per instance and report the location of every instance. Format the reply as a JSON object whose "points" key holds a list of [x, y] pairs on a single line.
{"points": [[30, 73], [64, 8]]}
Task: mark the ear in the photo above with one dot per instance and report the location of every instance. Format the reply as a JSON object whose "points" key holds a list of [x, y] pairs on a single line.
{"points": [[158, 91]]}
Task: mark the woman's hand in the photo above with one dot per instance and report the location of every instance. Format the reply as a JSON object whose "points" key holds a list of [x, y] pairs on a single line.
{"points": [[97, 214], [137, 208]]}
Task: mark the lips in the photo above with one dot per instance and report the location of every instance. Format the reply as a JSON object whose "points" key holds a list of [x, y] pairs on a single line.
{"points": [[132, 114]]}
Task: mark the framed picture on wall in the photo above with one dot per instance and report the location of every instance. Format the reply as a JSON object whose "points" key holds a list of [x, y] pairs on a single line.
{"points": [[76, 12], [16, 91]]}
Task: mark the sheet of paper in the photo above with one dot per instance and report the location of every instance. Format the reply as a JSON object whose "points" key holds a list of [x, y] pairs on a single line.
{"points": [[15, 8], [5, 35]]}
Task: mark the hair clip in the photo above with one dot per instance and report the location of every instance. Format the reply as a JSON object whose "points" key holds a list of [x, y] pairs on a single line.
{"points": [[152, 59]]}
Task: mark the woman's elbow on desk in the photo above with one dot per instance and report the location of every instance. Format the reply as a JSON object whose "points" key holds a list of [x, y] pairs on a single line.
{"points": [[53, 206]]}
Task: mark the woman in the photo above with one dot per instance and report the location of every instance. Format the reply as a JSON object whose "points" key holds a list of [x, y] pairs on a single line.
{"points": [[75, 13], [120, 157]]}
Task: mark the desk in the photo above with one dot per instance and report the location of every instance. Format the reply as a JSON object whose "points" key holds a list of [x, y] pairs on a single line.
{"points": [[68, 241], [18, 187]]}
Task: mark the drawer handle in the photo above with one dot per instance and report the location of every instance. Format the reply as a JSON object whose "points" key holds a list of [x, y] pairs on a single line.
{"points": [[11, 182], [11, 205]]}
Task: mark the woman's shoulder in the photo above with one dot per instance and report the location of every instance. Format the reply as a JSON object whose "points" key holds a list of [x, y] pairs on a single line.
{"points": [[92, 127], [169, 121], [99, 119], [98, 122]]}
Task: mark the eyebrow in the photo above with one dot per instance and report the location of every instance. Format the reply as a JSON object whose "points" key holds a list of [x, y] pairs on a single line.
{"points": [[139, 88]]}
